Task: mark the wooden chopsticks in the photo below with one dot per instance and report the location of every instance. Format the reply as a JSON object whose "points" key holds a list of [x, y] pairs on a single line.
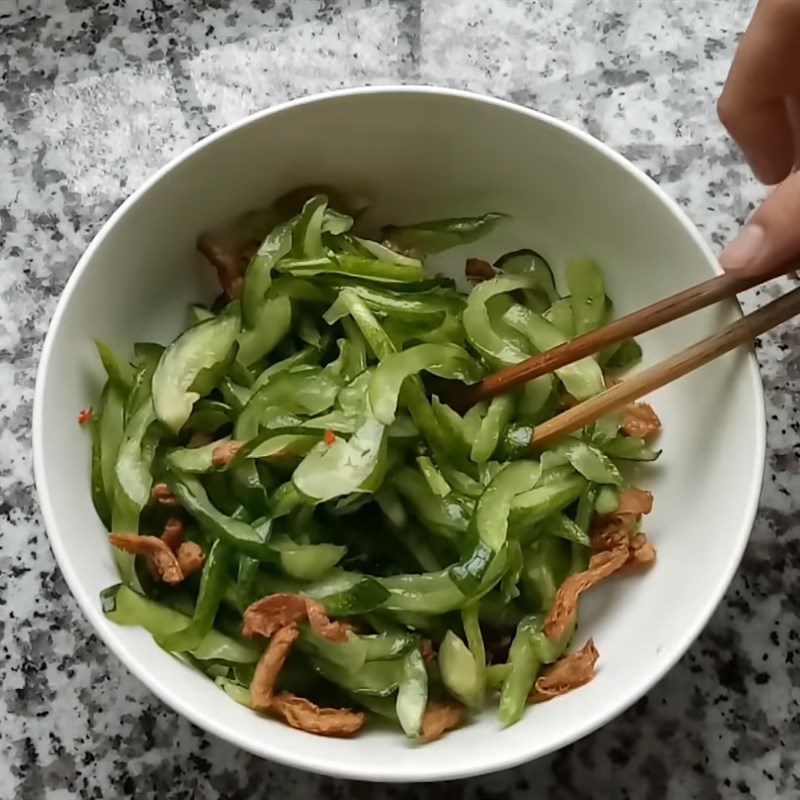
{"points": [[743, 331], [646, 319], [633, 324]]}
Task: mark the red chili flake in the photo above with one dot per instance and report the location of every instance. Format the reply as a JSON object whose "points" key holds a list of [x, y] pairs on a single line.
{"points": [[87, 415], [330, 437]]}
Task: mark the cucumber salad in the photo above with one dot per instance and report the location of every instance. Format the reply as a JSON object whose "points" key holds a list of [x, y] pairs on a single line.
{"points": [[296, 514]]}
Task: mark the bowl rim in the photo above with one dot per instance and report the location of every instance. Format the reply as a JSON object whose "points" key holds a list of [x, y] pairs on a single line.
{"points": [[496, 759]]}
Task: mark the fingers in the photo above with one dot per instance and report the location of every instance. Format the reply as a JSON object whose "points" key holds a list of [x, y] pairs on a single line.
{"points": [[793, 112], [762, 132], [760, 107], [771, 238], [765, 71]]}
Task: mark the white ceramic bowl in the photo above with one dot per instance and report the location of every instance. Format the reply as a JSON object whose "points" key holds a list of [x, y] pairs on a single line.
{"points": [[418, 153]]}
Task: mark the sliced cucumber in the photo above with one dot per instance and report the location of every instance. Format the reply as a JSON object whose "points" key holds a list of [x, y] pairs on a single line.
{"points": [[623, 356], [629, 448], [195, 459], [583, 378], [561, 316], [544, 293], [590, 462], [587, 295], [191, 366], [460, 672], [607, 500]]}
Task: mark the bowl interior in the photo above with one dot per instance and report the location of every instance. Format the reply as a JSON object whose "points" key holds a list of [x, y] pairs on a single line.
{"points": [[418, 154]]}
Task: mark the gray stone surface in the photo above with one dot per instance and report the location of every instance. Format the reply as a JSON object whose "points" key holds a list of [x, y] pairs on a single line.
{"points": [[96, 96]]}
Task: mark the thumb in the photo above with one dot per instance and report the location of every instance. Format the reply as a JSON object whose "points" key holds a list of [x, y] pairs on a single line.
{"points": [[771, 238]]}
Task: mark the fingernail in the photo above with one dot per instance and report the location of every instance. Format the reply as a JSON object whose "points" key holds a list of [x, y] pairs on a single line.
{"points": [[744, 250]]}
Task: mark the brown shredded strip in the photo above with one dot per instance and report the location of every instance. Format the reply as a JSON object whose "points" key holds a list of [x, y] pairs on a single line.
{"points": [[229, 258], [565, 605], [479, 270], [439, 717], [427, 650], [164, 495], [568, 673], [611, 532], [616, 530], [640, 421], [306, 716], [321, 624], [223, 453], [276, 611], [616, 533], [271, 613], [191, 557], [635, 501], [269, 665], [172, 534], [199, 439], [296, 711], [641, 555], [161, 558]]}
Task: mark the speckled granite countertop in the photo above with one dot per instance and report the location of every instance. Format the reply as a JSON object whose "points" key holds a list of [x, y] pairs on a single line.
{"points": [[97, 96]]}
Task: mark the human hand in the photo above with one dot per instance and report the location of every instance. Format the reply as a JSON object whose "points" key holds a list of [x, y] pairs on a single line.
{"points": [[760, 107]]}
